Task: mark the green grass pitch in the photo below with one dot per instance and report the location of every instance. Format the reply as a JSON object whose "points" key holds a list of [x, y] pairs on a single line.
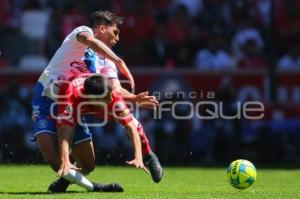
{"points": [[32, 182]]}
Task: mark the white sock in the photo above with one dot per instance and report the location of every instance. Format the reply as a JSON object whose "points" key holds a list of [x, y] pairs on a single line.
{"points": [[77, 178]]}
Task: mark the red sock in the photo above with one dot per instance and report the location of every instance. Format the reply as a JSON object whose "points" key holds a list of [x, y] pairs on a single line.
{"points": [[146, 149]]}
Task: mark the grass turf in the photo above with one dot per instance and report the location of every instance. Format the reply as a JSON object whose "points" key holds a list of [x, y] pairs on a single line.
{"points": [[32, 181]]}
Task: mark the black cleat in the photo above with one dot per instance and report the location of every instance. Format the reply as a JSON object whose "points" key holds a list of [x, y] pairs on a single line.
{"points": [[59, 186], [151, 161], [113, 187]]}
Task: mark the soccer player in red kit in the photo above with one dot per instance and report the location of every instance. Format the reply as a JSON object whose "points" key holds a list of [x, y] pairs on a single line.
{"points": [[91, 94]]}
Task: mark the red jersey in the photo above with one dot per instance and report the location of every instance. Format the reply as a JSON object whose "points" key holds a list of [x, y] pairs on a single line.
{"points": [[72, 104]]}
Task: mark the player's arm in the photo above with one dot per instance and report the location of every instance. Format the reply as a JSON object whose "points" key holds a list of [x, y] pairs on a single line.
{"points": [[136, 141], [141, 99], [101, 48], [122, 114], [115, 83], [65, 134], [65, 127]]}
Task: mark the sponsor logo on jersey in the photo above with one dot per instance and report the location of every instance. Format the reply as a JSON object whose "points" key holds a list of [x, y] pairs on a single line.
{"points": [[43, 123], [81, 67]]}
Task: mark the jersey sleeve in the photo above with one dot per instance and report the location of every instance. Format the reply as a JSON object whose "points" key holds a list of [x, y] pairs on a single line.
{"points": [[109, 72], [109, 69], [66, 113], [80, 29], [121, 112]]}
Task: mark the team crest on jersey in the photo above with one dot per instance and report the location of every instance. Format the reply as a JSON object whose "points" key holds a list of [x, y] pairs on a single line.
{"points": [[43, 123]]}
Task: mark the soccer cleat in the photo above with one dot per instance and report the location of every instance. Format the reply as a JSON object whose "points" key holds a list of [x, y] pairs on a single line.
{"points": [[59, 186], [113, 187], [155, 168]]}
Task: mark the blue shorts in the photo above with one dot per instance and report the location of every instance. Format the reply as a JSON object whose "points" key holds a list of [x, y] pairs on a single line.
{"points": [[44, 123]]}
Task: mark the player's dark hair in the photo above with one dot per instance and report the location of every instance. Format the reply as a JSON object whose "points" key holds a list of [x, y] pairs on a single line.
{"points": [[104, 18], [96, 85]]}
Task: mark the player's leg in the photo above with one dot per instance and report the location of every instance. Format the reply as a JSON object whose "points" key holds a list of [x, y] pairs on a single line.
{"points": [[61, 184], [149, 158], [47, 142], [48, 146], [76, 177], [45, 135], [83, 154], [46, 138], [83, 148]]}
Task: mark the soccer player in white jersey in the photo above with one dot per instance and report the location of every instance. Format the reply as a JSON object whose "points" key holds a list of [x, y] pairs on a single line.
{"points": [[66, 63]]}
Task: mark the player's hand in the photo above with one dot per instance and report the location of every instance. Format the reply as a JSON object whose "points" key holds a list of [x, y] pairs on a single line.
{"points": [[138, 164], [145, 101], [65, 168]]}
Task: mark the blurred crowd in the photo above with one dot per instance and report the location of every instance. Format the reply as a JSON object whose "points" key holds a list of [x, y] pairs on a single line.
{"points": [[201, 34]]}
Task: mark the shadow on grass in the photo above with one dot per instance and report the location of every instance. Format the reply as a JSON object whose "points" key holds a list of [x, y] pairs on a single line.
{"points": [[39, 193]]}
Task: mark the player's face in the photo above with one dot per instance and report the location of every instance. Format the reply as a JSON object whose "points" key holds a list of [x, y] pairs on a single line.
{"points": [[108, 34]]}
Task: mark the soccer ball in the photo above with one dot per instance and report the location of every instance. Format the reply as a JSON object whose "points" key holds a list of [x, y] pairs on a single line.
{"points": [[241, 174]]}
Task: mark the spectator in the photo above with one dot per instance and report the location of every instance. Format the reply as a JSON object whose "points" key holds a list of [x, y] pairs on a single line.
{"points": [[288, 16], [251, 55], [291, 60], [34, 21], [178, 29], [263, 11], [15, 121], [73, 16], [214, 17], [246, 32], [10, 11], [3, 61], [193, 6], [214, 57], [158, 46]]}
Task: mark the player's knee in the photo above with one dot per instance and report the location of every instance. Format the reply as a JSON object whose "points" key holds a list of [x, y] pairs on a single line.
{"points": [[54, 163], [88, 168]]}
